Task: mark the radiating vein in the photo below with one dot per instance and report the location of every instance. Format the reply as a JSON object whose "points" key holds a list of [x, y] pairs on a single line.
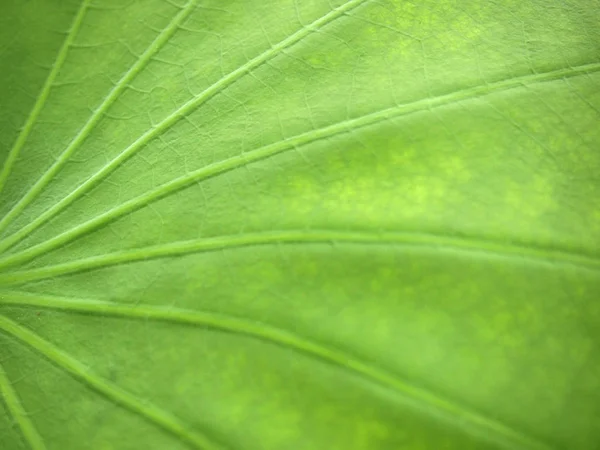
{"points": [[461, 244], [112, 392], [97, 115], [13, 403], [173, 118], [413, 396], [42, 97], [294, 142]]}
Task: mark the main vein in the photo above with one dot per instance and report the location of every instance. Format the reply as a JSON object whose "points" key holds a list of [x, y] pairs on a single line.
{"points": [[414, 396], [294, 142], [486, 247], [97, 115], [13, 403], [169, 121], [42, 97], [112, 392]]}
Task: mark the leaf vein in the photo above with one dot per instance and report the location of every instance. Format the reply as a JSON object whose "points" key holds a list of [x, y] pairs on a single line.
{"points": [[13, 403], [110, 391], [460, 244], [94, 119], [294, 142], [483, 426], [173, 118], [42, 97]]}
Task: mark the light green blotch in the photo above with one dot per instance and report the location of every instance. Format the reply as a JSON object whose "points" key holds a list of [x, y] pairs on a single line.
{"points": [[372, 24], [370, 431], [595, 220], [395, 181], [543, 193], [437, 18], [455, 169]]}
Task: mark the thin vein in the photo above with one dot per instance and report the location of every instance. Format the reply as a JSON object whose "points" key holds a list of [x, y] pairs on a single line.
{"points": [[13, 403], [276, 148], [457, 244], [480, 425], [112, 392], [173, 118], [95, 118], [42, 97]]}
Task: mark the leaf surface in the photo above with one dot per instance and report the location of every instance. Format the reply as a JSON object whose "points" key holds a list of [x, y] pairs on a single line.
{"points": [[299, 225]]}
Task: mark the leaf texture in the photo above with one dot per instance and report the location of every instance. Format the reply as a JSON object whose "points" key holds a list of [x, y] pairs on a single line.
{"points": [[354, 224]]}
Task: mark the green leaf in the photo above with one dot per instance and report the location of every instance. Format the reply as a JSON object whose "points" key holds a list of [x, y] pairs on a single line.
{"points": [[323, 224]]}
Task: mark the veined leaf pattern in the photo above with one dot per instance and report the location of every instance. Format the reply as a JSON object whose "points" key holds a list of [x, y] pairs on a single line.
{"points": [[328, 224]]}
